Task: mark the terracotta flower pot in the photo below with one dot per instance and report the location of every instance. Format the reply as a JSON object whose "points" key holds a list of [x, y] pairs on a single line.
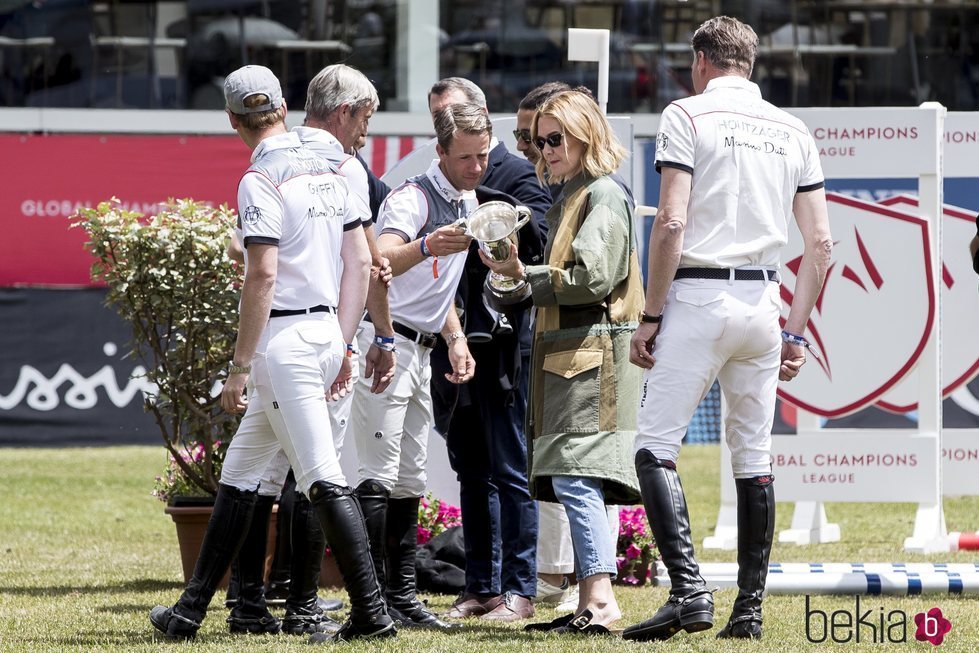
{"points": [[191, 523]]}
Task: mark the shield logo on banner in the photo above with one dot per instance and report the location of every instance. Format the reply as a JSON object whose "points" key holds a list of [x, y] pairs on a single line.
{"points": [[959, 312], [875, 312]]}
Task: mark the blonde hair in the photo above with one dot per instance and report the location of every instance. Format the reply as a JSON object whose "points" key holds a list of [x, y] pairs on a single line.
{"points": [[263, 120], [579, 116]]}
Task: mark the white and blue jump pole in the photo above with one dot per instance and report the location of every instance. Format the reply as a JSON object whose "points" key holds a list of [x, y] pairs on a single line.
{"points": [[872, 578]]}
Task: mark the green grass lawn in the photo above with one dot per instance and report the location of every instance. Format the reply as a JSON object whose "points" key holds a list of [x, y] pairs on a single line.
{"points": [[85, 551]]}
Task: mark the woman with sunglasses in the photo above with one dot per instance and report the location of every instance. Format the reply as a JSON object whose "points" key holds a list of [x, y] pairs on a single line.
{"points": [[584, 392]]}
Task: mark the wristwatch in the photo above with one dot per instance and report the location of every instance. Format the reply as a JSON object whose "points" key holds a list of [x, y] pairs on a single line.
{"points": [[652, 319], [455, 335], [238, 369]]}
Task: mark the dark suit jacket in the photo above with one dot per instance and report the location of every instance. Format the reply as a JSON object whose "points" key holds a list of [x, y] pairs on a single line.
{"points": [[378, 189], [497, 366]]}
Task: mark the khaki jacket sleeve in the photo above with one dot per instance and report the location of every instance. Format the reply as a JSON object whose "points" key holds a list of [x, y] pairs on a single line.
{"points": [[601, 261]]}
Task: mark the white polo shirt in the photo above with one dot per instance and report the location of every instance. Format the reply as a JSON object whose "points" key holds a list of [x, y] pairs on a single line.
{"points": [[292, 198], [748, 159], [421, 296], [327, 146]]}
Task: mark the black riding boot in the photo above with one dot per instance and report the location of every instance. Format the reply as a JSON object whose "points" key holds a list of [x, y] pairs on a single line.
{"points": [[756, 528], [691, 605], [400, 548], [343, 525], [278, 585], [226, 530], [303, 615], [373, 499], [250, 614]]}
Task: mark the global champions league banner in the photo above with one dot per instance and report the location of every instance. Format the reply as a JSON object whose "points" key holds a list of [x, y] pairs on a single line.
{"points": [[64, 376]]}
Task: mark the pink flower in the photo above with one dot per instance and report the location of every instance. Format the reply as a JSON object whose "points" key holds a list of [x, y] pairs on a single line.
{"points": [[632, 552], [424, 535]]}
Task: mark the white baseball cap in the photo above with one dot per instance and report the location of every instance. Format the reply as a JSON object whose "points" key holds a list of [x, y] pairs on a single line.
{"points": [[248, 81]]}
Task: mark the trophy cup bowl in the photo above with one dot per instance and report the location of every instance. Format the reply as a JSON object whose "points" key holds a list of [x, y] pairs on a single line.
{"points": [[494, 225]]}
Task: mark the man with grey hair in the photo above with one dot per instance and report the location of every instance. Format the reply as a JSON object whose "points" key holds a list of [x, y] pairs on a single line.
{"points": [[340, 101], [419, 233], [333, 88], [483, 424]]}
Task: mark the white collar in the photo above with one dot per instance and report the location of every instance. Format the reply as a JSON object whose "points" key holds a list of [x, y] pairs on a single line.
{"points": [[306, 133], [444, 187], [277, 142], [733, 81]]}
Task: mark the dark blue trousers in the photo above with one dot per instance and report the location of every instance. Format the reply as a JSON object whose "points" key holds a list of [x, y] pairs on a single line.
{"points": [[488, 452]]}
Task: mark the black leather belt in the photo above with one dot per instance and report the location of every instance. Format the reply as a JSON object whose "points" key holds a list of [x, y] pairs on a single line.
{"points": [[424, 339], [725, 273], [282, 312]]}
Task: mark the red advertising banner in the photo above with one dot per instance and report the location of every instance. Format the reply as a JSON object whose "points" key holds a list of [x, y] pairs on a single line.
{"points": [[46, 178]]}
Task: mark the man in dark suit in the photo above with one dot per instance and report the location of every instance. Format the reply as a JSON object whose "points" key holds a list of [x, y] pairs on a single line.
{"points": [[483, 423]]}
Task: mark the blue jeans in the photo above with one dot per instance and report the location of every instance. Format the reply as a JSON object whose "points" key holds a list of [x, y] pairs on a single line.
{"points": [[584, 501], [488, 452]]}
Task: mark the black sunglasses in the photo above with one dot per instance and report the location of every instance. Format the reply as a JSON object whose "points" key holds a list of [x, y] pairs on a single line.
{"points": [[554, 140], [522, 135]]}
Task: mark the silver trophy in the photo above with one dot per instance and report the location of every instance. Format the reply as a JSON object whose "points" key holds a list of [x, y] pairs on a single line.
{"points": [[494, 225]]}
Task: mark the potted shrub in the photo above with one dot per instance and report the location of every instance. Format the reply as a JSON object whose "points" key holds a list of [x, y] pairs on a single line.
{"points": [[169, 277]]}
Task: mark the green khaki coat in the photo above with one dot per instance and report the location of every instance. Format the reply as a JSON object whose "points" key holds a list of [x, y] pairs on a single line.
{"points": [[583, 389]]}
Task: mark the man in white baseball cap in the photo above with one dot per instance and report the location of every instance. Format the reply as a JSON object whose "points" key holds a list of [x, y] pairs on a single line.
{"points": [[252, 89], [306, 276]]}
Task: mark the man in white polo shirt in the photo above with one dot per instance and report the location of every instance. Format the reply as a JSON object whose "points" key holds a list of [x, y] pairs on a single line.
{"points": [[340, 101], [734, 171], [306, 274], [427, 250]]}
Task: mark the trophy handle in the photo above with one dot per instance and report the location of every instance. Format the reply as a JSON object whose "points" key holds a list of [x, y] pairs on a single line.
{"points": [[524, 214]]}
